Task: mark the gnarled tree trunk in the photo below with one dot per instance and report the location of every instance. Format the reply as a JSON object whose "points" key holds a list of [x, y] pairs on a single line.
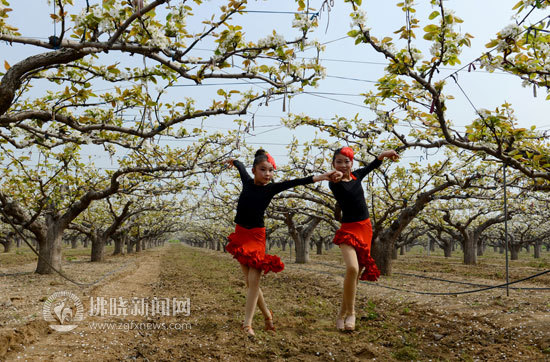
{"points": [[537, 248], [50, 249], [301, 237], [98, 249], [514, 252], [469, 247]]}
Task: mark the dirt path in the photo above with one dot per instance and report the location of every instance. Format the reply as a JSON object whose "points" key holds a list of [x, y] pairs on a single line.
{"points": [[87, 342]]}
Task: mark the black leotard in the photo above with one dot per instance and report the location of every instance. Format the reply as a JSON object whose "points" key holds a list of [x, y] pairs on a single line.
{"points": [[254, 199], [350, 196]]}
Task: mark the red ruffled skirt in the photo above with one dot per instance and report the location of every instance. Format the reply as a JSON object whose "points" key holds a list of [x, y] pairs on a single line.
{"points": [[248, 247], [359, 235]]}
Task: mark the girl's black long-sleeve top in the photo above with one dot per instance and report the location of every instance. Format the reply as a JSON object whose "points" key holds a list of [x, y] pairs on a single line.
{"points": [[350, 196], [254, 199]]}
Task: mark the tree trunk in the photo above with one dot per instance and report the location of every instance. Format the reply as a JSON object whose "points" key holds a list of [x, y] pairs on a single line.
{"points": [[85, 243], [514, 252], [501, 249], [394, 253], [495, 249], [470, 255], [448, 249], [74, 243], [319, 247], [98, 249], [129, 245], [382, 253], [138, 246], [480, 248], [8, 244], [401, 250], [301, 237], [537, 249], [528, 248], [432, 245], [119, 243], [50, 250], [302, 250]]}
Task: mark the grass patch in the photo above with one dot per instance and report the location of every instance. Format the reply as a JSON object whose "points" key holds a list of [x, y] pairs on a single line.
{"points": [[406, 354]]}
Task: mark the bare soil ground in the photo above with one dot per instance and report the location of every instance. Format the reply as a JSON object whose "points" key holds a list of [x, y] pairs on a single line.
{"points": [[392, 325]]}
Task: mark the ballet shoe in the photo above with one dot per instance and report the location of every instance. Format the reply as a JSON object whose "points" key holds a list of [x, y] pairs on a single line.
{"points": [[349, 323], [269, 322], [248, 331], [340, 324]]}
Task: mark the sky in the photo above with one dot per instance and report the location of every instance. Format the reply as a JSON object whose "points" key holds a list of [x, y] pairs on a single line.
{"points": [[351, 69]]}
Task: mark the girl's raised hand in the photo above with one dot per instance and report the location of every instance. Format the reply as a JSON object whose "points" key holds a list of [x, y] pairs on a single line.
{"points": [[336, 176], [327, 176], [391, 154]]}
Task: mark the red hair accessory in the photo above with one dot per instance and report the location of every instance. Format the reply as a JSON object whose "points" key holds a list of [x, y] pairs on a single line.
{"points": [[348, 152], [271, 160]]}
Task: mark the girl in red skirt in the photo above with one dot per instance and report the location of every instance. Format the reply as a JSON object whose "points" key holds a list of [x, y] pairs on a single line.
{"points": [[247, 243], [355, 234]]}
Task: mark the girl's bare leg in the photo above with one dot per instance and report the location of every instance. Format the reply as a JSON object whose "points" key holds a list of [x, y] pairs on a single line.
{"points": [[350, 280], [261, 301], [252, 295]]}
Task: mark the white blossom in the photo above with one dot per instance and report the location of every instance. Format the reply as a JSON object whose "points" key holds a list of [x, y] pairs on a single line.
{"points": [[488, 64], [510, 31], [86, 139], [484, 113], [416, 54], [358, 18], [302, 21], [390, 47], [158, 38], [322, 72], [272, 40]]}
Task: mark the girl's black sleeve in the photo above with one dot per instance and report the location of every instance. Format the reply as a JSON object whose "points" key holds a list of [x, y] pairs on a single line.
{"points": [[245, 177], [362, 172], [285, 185]]}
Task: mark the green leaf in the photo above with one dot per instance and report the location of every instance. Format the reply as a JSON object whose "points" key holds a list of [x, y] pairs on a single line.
{"points": [[431, 28], [491, 44], [434, 15], [429, 36], [517, 5]]}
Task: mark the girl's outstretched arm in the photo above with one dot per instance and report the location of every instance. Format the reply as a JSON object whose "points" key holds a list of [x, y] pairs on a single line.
{"points": [[285, 185], [362, 172], [328, 176], [245, 177]]}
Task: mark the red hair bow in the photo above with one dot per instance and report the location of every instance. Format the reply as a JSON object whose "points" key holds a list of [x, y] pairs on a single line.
{"points": [[271, 160], [348, 152]]}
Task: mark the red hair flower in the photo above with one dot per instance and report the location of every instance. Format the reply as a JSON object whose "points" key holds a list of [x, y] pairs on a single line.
{"points": [[348, 152], [271, 160]]}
